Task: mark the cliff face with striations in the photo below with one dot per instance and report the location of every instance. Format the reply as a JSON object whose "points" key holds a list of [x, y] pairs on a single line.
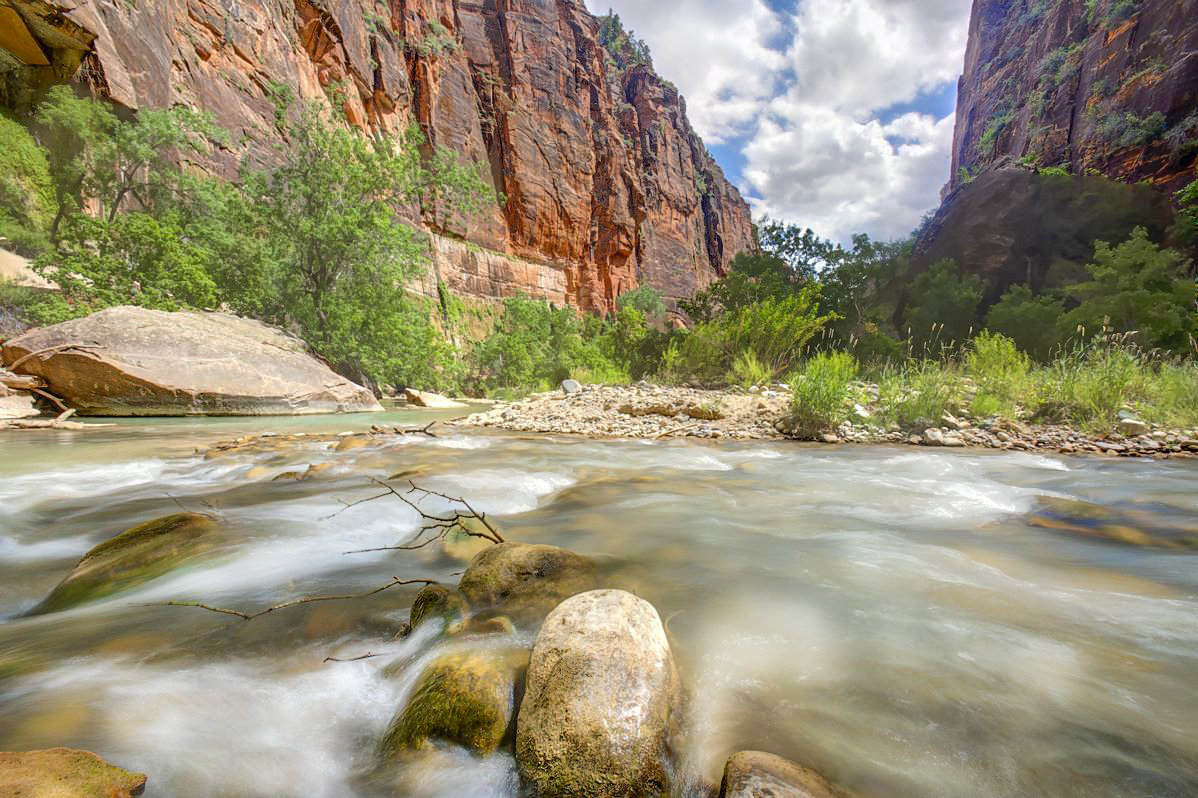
{"points": [[1095, 86], [606, 184]]}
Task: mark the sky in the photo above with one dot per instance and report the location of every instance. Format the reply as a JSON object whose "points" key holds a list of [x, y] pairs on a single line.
{"points": [[832, 114]]}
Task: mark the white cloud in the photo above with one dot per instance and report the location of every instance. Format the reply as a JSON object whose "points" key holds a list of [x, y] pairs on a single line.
{"points": [[800, 93]]}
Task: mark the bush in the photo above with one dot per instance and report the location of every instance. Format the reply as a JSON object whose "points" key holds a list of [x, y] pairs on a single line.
{"points": [[1030, 321], [822, 393], [1000, 372], [944, 307], [919, 394], [748, 371], [1089, 385]]}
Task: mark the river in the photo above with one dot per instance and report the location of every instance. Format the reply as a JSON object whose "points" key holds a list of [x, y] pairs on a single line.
{"points": [[885, 615]]}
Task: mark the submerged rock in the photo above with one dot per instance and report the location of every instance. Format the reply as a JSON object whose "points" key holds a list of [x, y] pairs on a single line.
{"points": [[464, 698], [526, 579], [756, 774], [135, 556], [1135, 524], [600, 699], [436, 601], [130, 361], [65, 773]]}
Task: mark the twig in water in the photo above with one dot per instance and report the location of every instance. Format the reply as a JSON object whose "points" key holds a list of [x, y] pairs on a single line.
{"points": [[442, 524], [249, 616], [367, 655], [425, 430]]}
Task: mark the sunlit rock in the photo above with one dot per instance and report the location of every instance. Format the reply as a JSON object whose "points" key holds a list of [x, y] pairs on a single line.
{"points": [[756, 774], [436, 601], [525, 579], [65, 773], [600, 700]]}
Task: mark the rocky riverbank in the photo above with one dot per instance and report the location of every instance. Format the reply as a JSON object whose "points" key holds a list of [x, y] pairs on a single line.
{"points": [[652, 411]]}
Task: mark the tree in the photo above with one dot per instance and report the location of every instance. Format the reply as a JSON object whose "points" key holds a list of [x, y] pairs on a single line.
{"points": [[1136, 288], [805, 253], [625, 49], [944, 305], [1031, 321]]}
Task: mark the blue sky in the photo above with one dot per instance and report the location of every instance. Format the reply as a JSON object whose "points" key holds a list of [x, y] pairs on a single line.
{"points": [[833, 114]]}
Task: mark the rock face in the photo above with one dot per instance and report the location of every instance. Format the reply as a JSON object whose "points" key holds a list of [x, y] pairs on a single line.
{"points": [[1012, 225], [756, 774], [1092, 85], [16, 405], [135, 556], [130, 361], [607, 185], [599, 701], [65, 773], [525, 580]]}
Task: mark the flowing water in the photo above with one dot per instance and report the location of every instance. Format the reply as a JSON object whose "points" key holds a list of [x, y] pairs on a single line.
{"points": [[888, 616]]}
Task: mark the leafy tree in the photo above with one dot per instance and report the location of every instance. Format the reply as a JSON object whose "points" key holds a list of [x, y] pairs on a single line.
{"points": [[26, 194], [944, 307], [1031, 321], [752, 277], [1186, 228], [645, 299], [803, 251], [1136, 287], [625, 49]]}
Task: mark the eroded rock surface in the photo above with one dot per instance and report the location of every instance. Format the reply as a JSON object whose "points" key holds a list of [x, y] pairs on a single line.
{"points": [[756, 774], [524, 580], [130, 361], [65, 773], [600, 700]]}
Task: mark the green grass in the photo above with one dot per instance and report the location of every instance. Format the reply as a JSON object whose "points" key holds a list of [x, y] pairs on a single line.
{"points": [[747, 371], [822, 392], [919, 393]]}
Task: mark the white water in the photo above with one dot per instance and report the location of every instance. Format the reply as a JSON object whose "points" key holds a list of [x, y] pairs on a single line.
{"points": [[885, 615]]}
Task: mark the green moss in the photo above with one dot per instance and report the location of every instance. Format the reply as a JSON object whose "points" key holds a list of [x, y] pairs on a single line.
{"points": [[436, 601], [65, 773], [131, 558]]}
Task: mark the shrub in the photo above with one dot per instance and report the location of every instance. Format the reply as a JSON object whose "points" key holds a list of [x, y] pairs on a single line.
{"points": [[944, 307], [1089, 385], [919, 394], [1172, 395], [748, 371], [822, 393], [1030, 321], [999, 370]]}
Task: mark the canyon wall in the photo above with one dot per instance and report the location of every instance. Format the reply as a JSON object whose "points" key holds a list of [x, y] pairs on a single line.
{"points": [[606, 185], [1104, 87]]}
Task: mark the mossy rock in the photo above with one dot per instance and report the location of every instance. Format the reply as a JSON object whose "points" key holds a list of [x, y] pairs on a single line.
{"points": [[135, 556], [1127, 523], [436, 601], [525, 580], [464, 698], [756, 774], [65, 773]]}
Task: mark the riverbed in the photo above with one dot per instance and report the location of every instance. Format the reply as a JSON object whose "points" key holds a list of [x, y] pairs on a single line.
{"points": [[886, 615]]}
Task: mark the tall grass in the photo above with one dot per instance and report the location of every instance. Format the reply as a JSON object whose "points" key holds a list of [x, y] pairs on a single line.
{"points": [[919, 393], [823, 392], [1000, 372]]}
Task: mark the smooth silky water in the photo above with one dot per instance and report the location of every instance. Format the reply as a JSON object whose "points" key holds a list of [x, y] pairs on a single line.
{"points": [[888, 616]]}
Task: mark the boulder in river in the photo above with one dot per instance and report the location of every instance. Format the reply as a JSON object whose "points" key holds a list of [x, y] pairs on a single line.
{"points": [[526, 579], [16, 405], [466, 698], [600, 700], [65, 773], [430, 400], [436, 601], [135, 556], [130, 361], [756, 774]]}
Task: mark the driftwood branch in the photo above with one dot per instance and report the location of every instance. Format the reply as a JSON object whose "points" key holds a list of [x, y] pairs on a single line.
{"points": [[51, 349], [249, 616], [441, 525], [47, 395], [367, 655], [669, 432]]}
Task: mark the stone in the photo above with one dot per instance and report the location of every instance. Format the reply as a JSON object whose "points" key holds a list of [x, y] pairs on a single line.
{"points": [[600, 700], [17, 405], [828, 437], [131, 558], [525, 580], [756, 774], [952, 441], [933, 437], [571, 387], [437, 601], [139, 362], [432, 401], [65, 773], [466, 698], [350, 443], [860, 411], [1131, 427]]}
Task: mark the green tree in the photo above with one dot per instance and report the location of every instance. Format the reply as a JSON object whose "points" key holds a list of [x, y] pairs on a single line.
{"points": [[944, 305], [1136, 287], [1031, 321]]}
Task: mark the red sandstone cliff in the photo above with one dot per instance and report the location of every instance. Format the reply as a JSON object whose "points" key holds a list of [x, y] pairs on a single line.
{"points": [[1106, 86], [607, 185]]}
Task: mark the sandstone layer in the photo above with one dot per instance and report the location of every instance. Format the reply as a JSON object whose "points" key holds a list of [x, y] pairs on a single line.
{"points": [[607, 186], [1105, 86]]}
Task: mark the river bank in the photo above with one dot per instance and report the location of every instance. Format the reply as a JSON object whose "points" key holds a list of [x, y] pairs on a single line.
{"points": [[650, 411]]}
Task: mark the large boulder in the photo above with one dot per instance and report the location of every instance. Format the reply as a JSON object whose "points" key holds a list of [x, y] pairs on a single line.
{"points": [[466, 698], [600, 700], [135, 556], [526, 580], [129, 361], [436, 601], [756, 774], [65, 773], [16, 405], [434, 401]]}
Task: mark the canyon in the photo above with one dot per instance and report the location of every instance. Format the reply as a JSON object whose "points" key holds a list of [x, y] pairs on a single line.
{"points": [[603, 183]]}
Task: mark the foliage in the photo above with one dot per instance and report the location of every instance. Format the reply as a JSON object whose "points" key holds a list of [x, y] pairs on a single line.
{"points": [[999, 370], [822, 392], [436, 42], [1030, 321], [646, 299], [774, 330], [1124, 130], [803, 252], [917, 394], [748, 371], [1186, 227], [994, 129], [625, 49], [1136, 288], [1089, 384], [26, 194], [944, 308]]}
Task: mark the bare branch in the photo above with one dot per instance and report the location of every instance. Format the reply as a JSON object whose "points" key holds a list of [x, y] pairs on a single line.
{"points": [[367, 655], [63, 348], [249, 616]]}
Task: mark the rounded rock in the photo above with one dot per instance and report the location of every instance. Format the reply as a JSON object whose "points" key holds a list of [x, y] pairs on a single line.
{"points": [[437, 601], [756, 774], [525, 579]]}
